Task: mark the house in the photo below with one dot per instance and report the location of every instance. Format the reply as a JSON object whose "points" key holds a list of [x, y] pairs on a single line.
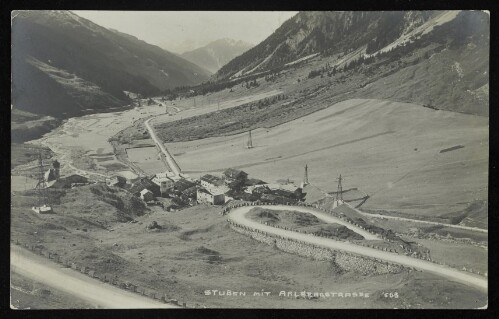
{"points": [[204, 196], [253, 183], [183, 184], [162, 178], [286, 187], [179, 187], [190, 194], [146, 195], [286, 190], [144, 183], [214, 185], [116, 180], [232, 175], [164, 188], [266, 198], [68, 181], [164, 182]]}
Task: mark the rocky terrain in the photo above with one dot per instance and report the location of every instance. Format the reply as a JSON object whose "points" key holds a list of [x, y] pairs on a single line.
{"points": [[449, 51]]}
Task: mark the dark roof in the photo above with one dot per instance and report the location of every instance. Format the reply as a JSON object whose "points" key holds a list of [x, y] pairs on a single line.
{"points": [[144, 183], [283, 193], [212, 179], [254, 181], [190, 190], [183, 184], [65, 182], [202, 190], [234, 173]]}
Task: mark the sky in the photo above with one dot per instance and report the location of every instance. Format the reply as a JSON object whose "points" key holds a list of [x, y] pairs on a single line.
{"points": [[180, 31]]}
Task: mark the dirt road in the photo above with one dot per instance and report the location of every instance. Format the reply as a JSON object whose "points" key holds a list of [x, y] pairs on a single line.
{"points": [[76, 284], [481, 230], [169, 158], [238, 215]]}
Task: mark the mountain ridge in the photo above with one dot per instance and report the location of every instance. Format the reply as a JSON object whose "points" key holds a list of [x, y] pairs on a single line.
{"points": [[217, 53], [64, 65], [363, 44]]}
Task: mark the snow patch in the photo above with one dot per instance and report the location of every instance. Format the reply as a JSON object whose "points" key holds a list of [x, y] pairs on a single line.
{"points": [[302, 59], [238, 74], [423, 29], [165, 73]]}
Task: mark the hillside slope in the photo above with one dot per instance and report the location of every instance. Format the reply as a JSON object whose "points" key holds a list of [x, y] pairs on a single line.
{"points": [[449, 53], [26, 126], [217, 53], [64, 65]]}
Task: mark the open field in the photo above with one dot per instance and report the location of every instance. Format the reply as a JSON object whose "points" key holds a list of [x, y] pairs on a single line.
{"points": [[195, 250], [147, 159], [303, 222], [457, 255], [388, 149]]}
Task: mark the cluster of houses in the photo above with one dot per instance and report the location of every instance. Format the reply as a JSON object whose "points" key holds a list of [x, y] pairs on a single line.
{"points": [[209, 189]]}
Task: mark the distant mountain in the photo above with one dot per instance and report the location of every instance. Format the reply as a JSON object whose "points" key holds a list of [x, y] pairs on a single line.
{"points": [[64, 65], [217, 53], [456, 41]]}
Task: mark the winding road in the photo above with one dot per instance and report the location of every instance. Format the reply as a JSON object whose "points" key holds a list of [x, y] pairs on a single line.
{"points": [[102, 295], [238, 216]]}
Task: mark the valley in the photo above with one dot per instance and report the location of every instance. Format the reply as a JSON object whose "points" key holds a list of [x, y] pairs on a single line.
{"points": [[357, 170]]}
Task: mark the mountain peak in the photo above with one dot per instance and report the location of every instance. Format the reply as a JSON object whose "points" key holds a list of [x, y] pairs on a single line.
{"points": [[217, 53]]}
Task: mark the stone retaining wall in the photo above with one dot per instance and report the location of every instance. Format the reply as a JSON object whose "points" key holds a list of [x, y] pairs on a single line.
{"points": [[345, 261]]}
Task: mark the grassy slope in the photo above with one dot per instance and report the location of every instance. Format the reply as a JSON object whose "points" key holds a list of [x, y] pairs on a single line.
{"points": [[304, 222], [196, 250], [26, 126], [23, 153], [389, 150], [440, 81]]}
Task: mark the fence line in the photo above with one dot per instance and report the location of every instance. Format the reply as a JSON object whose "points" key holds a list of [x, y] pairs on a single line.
{"points": [[107, 278], [226, 210]]}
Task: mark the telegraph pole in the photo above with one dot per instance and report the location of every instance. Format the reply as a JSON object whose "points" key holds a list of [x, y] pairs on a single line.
{"points": [[339, 192], [250, 141]]}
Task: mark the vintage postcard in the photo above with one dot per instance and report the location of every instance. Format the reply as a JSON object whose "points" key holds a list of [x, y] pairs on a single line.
{"points": [[249, 159]]}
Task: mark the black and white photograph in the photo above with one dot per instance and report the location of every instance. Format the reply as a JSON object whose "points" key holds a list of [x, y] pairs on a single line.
{"points": [[249, 159]]}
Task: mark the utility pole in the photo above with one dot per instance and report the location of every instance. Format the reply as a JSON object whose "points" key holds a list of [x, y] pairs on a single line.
{"points": [[339, 192], [305, 177], [250, 141], [41, 190]]}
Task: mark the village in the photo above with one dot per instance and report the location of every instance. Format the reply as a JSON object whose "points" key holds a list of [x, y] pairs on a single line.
{"points": [[173, 192]]}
